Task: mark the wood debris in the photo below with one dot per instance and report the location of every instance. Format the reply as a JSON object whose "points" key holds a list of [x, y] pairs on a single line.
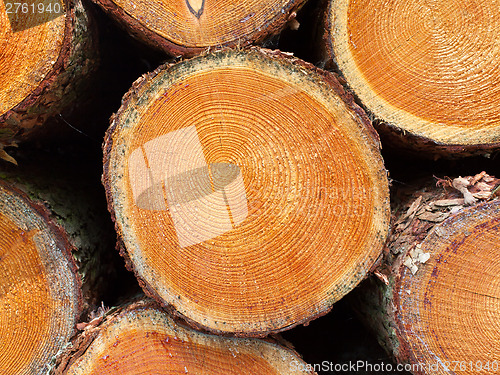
{"points": [[472, 188], [482, 186], [461, 185], [416, 257], [382, 277], [449, 202], [429, 208], [95, 318]]}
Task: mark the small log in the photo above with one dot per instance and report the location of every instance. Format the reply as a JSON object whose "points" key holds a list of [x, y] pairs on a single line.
{"points": [[247, 190], [76, 202], [188, 27], [40, 290], [141, 338], [425, 70], [435, 304], [47, 53]]}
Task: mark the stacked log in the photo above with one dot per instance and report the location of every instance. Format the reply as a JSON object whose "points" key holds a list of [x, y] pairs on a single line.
{"points": [[189, 27], [40, 290], [58, 260], [140, 338], [424, 70], [247, 189], [48, 51], [434, 304]]}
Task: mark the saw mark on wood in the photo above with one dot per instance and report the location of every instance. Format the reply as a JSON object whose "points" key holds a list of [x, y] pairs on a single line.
{"points": [[478, 293], [196, 7]]}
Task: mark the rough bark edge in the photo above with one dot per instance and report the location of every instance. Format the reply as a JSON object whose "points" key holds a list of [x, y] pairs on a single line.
{"points": [[376, 301], [143, 34], [401, 139], [329, 78], [104, 317], [75, 62], [170, 308], [60, 234], [408, 142]]}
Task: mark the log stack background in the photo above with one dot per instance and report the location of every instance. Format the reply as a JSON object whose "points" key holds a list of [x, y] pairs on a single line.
{"points": [[336, 337]]}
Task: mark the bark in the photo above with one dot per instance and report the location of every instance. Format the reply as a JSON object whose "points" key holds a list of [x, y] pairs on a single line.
{"points": [[434, 303], [429, 85], [46, 67], [189, 27], [262, 199], [141, 338]]}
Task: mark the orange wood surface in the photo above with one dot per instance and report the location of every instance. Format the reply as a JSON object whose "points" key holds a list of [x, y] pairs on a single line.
{"points": [[295, 217], [426, 67], [145, 340], [30, 44], [39, 289]]}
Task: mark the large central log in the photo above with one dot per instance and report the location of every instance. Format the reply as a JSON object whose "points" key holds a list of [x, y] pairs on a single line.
{"points": [[247, 188]]}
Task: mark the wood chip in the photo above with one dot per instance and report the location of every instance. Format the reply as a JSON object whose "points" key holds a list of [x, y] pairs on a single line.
{"points": [[483, 186], [414, 269], [408, 262], [7, 157], [415, 257], [477, 177], [485, 194], [455, 209], [449, 202], [424, 257], [413, 208], [488, 179], [382, 277], [434, 217]]}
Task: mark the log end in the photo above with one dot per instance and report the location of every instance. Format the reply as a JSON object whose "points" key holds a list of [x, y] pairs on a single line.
{"points": [[142, 338], [425, 71], [40, 298], [48, 52], [448, 294], [434, 301], [189, 27], [249, 176]]}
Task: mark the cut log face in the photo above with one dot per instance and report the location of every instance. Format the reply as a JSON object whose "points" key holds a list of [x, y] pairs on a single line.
{"points": [[423, 68], [449, 310], [28, 53], [45, 54], [39, 289], [248, 195], [185, 27], [143, 339], [434, 304]]}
